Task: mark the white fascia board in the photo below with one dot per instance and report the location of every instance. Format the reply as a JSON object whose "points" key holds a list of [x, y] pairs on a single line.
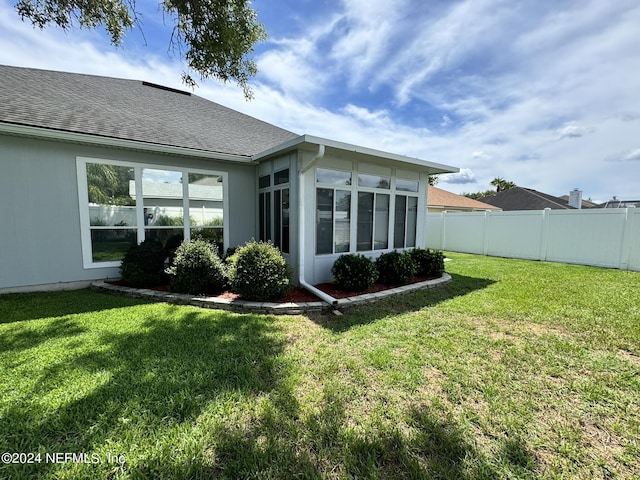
{"points": [[88, 139], [347, 147]]}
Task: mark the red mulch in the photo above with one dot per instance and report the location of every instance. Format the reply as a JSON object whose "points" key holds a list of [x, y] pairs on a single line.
{"points": [[299, 295]]}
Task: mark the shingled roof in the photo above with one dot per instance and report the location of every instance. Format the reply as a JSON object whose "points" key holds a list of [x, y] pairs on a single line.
{"points": [[130, 110], [439, 199], [519, 198]]}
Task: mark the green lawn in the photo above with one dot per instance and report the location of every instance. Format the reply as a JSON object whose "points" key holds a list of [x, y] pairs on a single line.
{"points": [[516, 369]]}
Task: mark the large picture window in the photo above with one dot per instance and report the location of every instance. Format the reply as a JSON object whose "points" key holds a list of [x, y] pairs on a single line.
{"points": [[122, 204]]}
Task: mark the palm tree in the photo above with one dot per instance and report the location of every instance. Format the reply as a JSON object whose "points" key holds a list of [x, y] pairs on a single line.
{"points": [[502, 184]]}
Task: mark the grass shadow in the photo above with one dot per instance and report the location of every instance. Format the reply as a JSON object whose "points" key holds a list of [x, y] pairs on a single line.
{"points": [[329, 444], [460, 285], [154, 381], [18, 307]]}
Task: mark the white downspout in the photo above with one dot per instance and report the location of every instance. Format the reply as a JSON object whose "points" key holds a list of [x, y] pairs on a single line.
{"points": [[301, 215]]}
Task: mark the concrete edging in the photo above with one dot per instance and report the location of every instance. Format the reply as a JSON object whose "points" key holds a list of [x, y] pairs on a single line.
{"points": [[265, 307]]}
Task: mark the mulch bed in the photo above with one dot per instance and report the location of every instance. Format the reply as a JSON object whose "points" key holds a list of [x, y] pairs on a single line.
{"points": [[298, 295]]}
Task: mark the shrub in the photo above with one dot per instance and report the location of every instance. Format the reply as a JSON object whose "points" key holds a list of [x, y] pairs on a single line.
{"points": [[430, 262], [354, 272], [258, 271], [197, 269], [395, 268], [143, 265]]}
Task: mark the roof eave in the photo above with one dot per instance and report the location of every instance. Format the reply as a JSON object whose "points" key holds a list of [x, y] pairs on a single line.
{"points": [[104, 141], [309, 140]]}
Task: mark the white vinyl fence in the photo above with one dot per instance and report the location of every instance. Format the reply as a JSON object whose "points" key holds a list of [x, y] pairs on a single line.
{"points": [[602, 237]]}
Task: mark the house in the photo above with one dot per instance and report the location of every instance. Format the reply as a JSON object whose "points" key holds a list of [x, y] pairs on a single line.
{"points": [[519, 198], [442, 201], [89, 165], [617, 203]]}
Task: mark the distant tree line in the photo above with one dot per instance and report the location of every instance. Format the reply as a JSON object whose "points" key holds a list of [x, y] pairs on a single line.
{"points": [[500, 185]]}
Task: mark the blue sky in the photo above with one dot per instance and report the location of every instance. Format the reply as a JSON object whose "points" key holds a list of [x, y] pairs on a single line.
{"points": [[545, 94]]}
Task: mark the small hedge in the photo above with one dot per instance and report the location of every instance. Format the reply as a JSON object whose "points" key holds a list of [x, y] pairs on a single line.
{"points": [[395, 268], [258, 271], [143, 264], [197, 269], [354, 272], [430, 263]]}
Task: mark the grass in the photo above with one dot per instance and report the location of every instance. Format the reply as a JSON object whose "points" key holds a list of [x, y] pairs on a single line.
{"points": [[517, 369]]}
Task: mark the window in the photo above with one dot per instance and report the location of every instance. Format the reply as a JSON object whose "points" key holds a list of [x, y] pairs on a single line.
{"points": [[374, 181], [122, 204], [111, 209], [333, 177], [406, 217], [281, 177], [373, 221], [406, 185], [324, 220], [264, 204], [385, 210], [205, 208], [273, 209]]}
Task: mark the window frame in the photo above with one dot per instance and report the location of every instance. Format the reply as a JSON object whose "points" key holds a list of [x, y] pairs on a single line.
{"points": [[267, 214], [83, 203], [391, 191]]}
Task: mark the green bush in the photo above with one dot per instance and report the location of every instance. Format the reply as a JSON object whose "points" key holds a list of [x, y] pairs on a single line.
{"points": [[430, 262], [143, 264], [197, 269], [258, 271], [395, 268], [354, 272]]}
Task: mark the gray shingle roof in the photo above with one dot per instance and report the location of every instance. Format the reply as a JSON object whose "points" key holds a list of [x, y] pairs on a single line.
{"points": [[130, 110], [519, 198]]}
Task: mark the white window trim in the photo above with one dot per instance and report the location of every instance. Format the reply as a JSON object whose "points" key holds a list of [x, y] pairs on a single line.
{"points": [[361, 167], [83, 203]]}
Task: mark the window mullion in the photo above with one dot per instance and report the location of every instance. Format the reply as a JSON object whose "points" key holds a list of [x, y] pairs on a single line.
{"points": [[185, 205], [137, 172]]}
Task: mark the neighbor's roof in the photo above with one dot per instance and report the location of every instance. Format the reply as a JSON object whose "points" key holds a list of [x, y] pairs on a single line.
{"points": [[129, 110], [441, 198], [519, 198]]}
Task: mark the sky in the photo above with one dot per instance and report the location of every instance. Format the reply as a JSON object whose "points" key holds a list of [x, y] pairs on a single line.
{"points": [[545, 94]]}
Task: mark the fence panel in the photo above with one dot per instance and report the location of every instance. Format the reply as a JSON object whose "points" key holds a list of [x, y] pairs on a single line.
{"points": [[515, 234], [593, 237], [602, 237], [464, 232]]}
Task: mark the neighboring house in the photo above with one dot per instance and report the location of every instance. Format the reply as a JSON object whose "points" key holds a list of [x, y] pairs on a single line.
{"points": [[519, 198], [89, 165], [440, 201], [616, 203]]}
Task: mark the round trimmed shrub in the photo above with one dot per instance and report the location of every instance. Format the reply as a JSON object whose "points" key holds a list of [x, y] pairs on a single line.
{"points": [[395, 268], [143, 264], [354, 272], [430, 262], [258, 271], [197, 269]]}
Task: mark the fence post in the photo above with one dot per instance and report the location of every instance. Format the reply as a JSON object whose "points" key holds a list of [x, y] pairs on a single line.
{"points": [[544, 240], [443, 226], [486, 226], [625, 248]]}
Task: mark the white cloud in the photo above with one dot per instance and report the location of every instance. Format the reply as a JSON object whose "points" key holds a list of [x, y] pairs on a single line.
{"points": [[572, 131], [446, 121], [465, 176], [480, 156]]}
